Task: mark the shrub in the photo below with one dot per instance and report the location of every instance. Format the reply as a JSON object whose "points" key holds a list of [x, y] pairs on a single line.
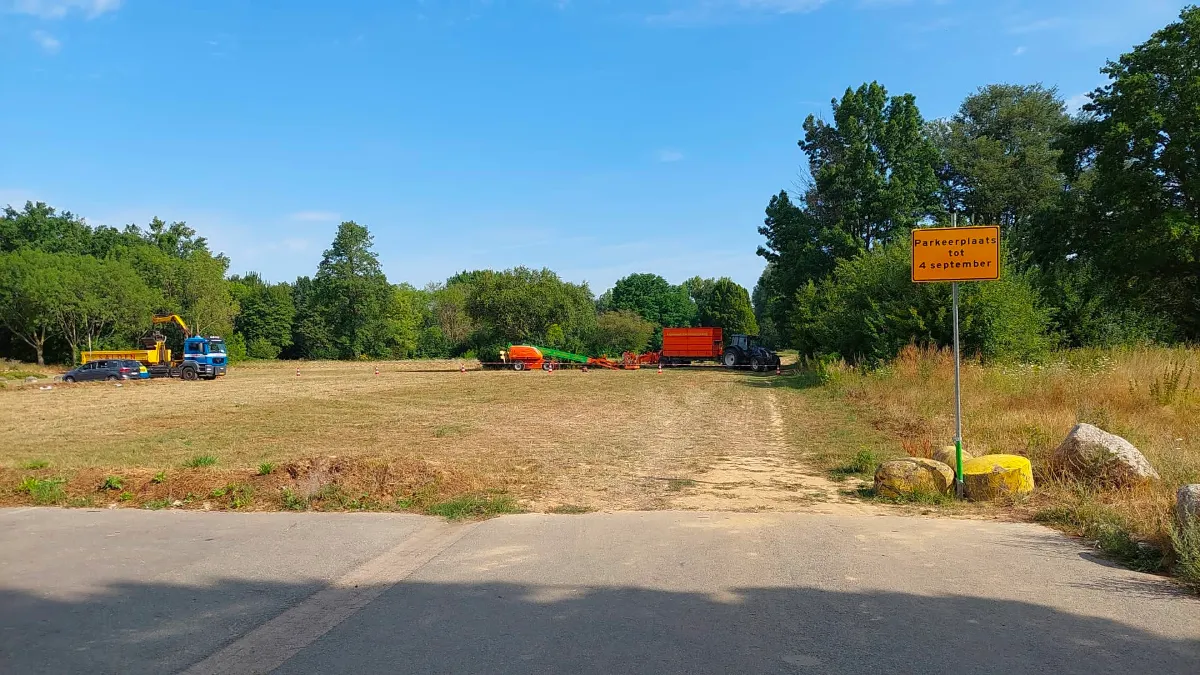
{"points": [[869, 309], [261, 348], [111, 483]]}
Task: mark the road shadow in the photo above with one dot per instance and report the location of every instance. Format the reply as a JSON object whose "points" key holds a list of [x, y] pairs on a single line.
{"points": [[425, 627]]}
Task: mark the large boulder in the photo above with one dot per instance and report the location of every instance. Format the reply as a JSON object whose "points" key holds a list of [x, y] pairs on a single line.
{"points": [[947, 455], [1187, 506], [1092, 454], [994, 476], [902, 477]]}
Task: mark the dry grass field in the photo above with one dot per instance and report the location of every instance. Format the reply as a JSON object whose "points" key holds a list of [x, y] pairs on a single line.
{"points": [[1149, 396], [418, 434]]}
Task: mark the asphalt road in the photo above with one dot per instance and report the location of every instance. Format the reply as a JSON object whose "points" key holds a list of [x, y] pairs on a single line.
{"points": [[123, 591]]}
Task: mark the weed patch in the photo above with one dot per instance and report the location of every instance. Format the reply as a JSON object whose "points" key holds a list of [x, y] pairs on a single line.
{"points": [[266, 469], [34, 465], [159, 478], [44, 491], [200, 461], [111, 483], [473, 506], [292, 501], [677, 484], [1186, 541]]}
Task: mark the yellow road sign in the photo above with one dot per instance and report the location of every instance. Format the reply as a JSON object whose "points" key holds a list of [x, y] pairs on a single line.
{"points": [[956, 254]]}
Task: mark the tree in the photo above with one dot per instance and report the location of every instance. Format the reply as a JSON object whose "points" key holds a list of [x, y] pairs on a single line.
{"points": [[521, 305], [353, 292], [620, 331], [998, 160], [203, 294], [310, 334], [873, 168], [654, 299], [40, 227], [101, 298], [699, 290], [405, 319], [450, 314], [1134, 153], [728, 307], [265, 315], [31, 295]]}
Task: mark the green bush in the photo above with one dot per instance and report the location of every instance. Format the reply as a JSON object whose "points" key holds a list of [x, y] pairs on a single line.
{"points": [[260, 348], [869, 309], [235, 348]]}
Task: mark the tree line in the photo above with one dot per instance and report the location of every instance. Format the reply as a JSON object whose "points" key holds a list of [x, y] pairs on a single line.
{"points": [[1099, 214], [66, 286]]}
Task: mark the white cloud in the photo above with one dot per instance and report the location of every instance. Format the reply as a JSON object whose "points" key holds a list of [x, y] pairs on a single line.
{"points": [[57, 9], [315, 216], [668, 155], [1018, 51], [46, 41]]}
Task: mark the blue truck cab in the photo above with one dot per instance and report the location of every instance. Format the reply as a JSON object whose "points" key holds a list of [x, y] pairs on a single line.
{"points": [[204, 357]]}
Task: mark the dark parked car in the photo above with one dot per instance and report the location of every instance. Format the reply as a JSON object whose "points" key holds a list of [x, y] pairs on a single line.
{"points": [[110, 369]]}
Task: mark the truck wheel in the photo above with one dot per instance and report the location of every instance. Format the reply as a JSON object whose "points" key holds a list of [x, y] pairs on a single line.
{"points": [[731, 358], [188, 374], [519, 366], [755, 365], [547, 365]]}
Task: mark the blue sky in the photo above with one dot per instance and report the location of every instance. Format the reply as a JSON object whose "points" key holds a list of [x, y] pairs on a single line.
{"points": [[594, 137]]}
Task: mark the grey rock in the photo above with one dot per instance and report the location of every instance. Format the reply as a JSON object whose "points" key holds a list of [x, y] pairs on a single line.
{"points": [[1092, 454], [1187, 505]]}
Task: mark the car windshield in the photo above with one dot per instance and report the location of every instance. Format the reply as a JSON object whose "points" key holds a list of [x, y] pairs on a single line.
{"points": [[216, 347]]}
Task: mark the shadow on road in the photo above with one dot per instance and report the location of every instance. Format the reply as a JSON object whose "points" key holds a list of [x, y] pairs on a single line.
{"points": [[508, 628]]}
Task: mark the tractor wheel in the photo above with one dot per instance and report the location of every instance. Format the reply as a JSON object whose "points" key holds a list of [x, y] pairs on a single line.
{"points": [[731, 358], [755, 364], [519, 366], [188, 374], [69, 379]]}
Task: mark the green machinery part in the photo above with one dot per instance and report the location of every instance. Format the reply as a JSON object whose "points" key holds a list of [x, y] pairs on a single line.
{"points": [[562, 356]]}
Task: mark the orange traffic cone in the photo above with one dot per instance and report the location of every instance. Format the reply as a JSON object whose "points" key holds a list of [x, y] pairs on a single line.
{"points": [[462, 367], [297, 372], [660, 369], [585, 367], [376, 370], [776, 368]]}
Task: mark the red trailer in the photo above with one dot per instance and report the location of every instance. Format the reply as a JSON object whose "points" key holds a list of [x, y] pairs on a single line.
{"points": [[684, 345]]}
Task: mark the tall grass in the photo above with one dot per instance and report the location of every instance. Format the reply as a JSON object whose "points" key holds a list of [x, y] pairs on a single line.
{"points": [[1143, 394]]}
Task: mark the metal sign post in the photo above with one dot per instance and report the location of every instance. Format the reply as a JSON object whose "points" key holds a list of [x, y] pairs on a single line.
{"points": [[956, 254], [958, 476]]}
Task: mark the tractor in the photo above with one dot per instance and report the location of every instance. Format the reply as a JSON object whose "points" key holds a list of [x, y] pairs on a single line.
{"points": [[744, 349]]}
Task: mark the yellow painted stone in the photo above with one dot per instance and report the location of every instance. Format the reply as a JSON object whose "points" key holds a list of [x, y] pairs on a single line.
{"points": [[992, 476]]}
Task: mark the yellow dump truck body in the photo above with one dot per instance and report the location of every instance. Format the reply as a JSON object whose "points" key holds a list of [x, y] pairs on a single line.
{"points": [[149, 357]]}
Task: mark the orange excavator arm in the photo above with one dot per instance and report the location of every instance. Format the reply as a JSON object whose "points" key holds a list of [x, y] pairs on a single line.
{"points": [[173, 318]]}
